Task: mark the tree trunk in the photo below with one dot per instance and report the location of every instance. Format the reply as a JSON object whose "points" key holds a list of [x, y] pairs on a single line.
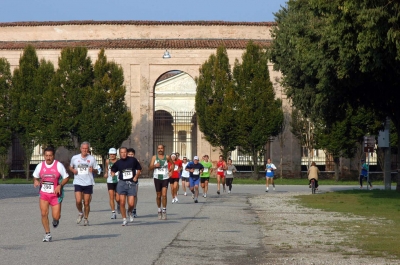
{"points": [[254, 173], [336, 160]]}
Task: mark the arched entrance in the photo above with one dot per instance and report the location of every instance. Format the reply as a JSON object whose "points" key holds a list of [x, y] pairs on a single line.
{"points": [[175, 123]]}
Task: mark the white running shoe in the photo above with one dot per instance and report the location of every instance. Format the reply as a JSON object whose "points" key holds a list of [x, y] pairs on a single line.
{"points": [[176, 199], [124, 222], [205, 195], [185, 193], [47, 238], [229, 192], [173, 200], [113, 215], [130, 217], [159, 216], [164, 216], [79, 219], [86, 222]]}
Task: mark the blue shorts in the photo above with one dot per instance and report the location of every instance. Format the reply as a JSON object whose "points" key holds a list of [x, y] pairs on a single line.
{"points": [[84, 189], [270, 174], [194, 182], [127, 188]]}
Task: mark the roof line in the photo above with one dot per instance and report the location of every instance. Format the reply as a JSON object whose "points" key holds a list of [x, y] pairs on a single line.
{"points": [[135, 22]]}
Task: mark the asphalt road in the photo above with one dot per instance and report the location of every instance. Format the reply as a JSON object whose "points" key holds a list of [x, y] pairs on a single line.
{"points": [[220, 229]]}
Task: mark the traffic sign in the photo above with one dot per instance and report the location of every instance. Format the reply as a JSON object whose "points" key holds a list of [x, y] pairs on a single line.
{"points": [[369, 144]]}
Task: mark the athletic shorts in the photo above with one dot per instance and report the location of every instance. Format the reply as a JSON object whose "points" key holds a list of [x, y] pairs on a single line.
{"points": [[203, 180], [194, 182], [269, 175], [159, 184], [84, 189], [185, 179], [112, 186], [221, 174], [52, 198], [173, 180], [127, 188]]}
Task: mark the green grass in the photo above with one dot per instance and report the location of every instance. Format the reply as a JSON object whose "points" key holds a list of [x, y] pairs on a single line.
{"points": [[378, 234]]}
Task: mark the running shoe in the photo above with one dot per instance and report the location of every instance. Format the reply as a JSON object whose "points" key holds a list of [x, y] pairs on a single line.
{"points": [[47, 238], [131, 217], [196, 201], [86, 222], [173, 200], [192, 195], [176, 199], [79, 219], [218, 192], [229, 192], [124, 222], [118, 209], [185, 194], [134, 213], [164, 215], [159, 216], [113, 215], [55, 223], [205, 195]]}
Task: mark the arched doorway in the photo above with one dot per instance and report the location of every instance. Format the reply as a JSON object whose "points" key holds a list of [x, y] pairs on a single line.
{"points": [[175, 123]]}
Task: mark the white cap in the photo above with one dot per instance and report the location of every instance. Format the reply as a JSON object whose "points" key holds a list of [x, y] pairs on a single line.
{"points": [[196, 158], [112, 151], [173, 154]]}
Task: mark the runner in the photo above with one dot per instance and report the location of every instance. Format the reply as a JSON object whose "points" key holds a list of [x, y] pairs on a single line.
{"points": [[161, 174], [83, 166], [185, 175], [221, 167], [112, 181], [205, 176], [180, 172], [195, 170], [129, 169], [131, 153], [269, 169], [176, 166], [229, 174], [53, 177]]}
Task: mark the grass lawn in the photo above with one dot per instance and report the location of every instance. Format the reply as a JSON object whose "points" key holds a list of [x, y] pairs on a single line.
{"points": [[379, 233]]}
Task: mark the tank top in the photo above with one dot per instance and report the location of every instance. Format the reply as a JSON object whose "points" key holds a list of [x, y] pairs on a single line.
{"points": [[50, 178], [161, 172], [220, 171], [111, 179]]}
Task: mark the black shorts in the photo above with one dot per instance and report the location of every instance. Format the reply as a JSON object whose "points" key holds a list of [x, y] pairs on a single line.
{"points": [[203, 180], [84, 189], [173, 180], [185, 179], [112, 186], [159, 184]]}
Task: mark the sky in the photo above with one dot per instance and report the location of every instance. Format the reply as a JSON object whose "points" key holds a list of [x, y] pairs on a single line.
{"points": [[155, 10]]}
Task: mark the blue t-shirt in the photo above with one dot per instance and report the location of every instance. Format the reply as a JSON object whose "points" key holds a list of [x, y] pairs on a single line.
{"points": [[126, 168], [196, 172]]}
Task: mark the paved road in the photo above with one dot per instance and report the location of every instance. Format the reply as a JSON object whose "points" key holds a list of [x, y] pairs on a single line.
{"points": [[218, 230]]}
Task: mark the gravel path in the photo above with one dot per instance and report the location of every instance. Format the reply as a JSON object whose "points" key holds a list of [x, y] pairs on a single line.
{"points": [[297, 235]]}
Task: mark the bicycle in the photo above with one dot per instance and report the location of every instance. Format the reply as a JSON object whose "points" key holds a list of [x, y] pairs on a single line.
{"points": [[312, 186]]}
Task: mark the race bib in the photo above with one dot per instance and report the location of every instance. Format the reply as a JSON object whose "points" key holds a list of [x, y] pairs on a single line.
{"points": [[229, 172], [205, 170], [127, 174], [220, 170], [160, 171], [176, 167], [47, 187], [83, 169], [196, 171]]}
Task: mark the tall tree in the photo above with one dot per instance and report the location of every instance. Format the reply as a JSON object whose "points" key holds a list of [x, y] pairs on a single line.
{"points": [[258, 114], [5, 121], [105, 120], [73, 76], [26, 95], [215, 102]]}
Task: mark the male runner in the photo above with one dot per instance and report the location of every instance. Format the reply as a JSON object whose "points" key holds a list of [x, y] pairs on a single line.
{"points": [[129, 169], [221, 167], [112, 181], [53, 177], [195, 170], [83, 166], [161, 174], [205, 176]]}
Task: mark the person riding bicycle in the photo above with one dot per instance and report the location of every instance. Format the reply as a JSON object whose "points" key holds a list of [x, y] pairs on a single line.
{"points": [[313, 173]]}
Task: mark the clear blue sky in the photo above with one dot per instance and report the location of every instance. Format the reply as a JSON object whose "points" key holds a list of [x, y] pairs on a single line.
{"points": [[173, 10]]}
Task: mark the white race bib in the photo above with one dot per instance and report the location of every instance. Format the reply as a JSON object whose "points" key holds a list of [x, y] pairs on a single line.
{"points": [[220, 170], [47, 187], [205, 170], [196, 171], [229, 172], [83, 169], [160, 171], [176, 167], [127, 174]]}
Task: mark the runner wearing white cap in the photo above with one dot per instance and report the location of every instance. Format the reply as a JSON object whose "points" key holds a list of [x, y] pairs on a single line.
{"points": [[112, 181]]}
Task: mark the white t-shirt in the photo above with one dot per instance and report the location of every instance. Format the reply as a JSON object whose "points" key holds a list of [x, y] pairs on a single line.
{"points": [[84, 177], [185, 174], [60, 168]]}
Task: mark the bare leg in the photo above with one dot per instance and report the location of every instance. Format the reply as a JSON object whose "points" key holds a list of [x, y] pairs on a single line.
{"points": [[44, 211], [87, 198]]}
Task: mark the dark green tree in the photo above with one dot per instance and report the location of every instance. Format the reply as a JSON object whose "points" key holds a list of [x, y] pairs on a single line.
{"points": [[26, 95], [71, 80], [215, 102], [258, 114], [105, 120], [5, 121]]}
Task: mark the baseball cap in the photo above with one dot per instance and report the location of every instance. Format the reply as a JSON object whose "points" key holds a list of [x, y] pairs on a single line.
{"points": [[112, 151], [173, 154], [196, 158]]}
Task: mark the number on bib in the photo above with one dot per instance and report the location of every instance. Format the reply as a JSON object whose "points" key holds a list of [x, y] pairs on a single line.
{"points": [[47, 187]]}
